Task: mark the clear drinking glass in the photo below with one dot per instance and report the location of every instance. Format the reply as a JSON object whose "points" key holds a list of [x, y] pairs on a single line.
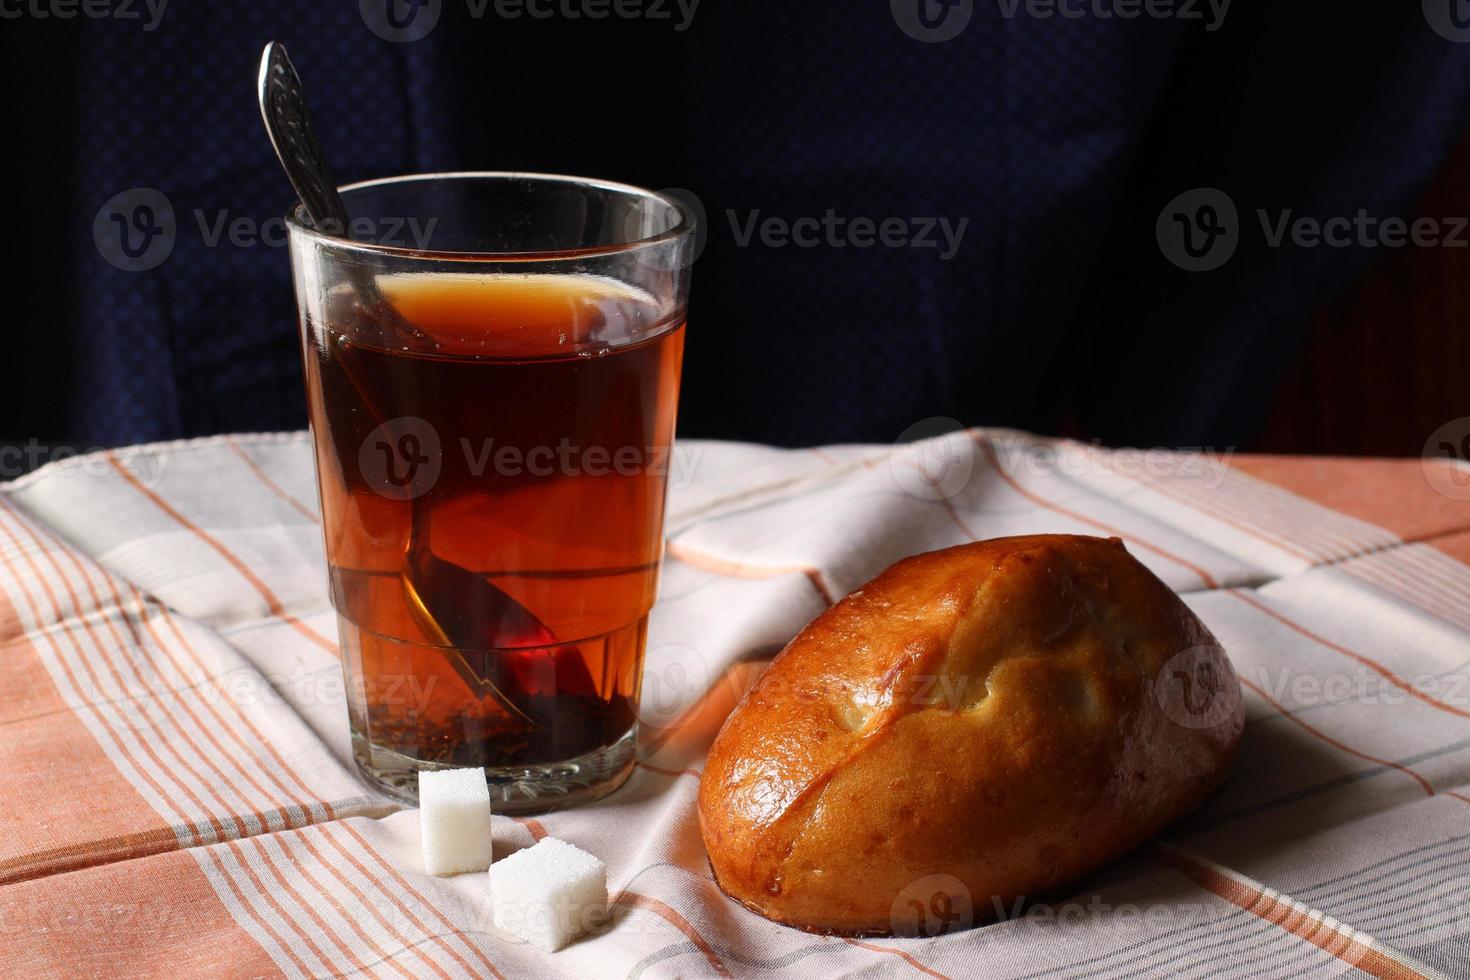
{"points": [[492, 365]]}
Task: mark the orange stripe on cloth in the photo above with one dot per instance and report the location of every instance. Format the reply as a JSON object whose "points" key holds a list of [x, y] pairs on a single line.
{"points": [[403, 885], [1285, 713], [669, 772], [201, 820], [173, 730], [248, 753], [1407, 579], [103, 847], [1390, 493], [285, 900], [271, 601], [168, 704], [345, 848], [957, 520], [896, 952], [1388, 675], [1260, 509], [1375, 559], [739, 569], [386, 922], [695, 727], [994, 460], [669, 915], [270, 484], [823, 455], [244, 717], [156, 916], [302, 904], [1200, 502], [242, 900], [533, 827], [51, 762], [1283, 913], [352, 920]]}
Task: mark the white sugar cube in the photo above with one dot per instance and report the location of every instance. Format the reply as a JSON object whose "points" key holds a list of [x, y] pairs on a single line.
{"points": [[454, 820], [548, 894]]}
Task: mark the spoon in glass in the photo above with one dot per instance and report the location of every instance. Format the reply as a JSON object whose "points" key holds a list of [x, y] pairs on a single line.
{"points": [[456, 607]]}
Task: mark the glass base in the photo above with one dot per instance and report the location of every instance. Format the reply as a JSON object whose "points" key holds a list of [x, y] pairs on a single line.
{"points": [[513, 791]]}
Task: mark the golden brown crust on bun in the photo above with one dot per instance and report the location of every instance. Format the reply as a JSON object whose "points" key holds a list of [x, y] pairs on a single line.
{"points": [[980, 723]]}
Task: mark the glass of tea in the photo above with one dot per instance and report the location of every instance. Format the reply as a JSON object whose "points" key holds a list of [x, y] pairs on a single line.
{"points": [[492, 371]]}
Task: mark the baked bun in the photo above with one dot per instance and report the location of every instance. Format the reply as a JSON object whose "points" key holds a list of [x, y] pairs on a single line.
{"points": [[973, 726]]}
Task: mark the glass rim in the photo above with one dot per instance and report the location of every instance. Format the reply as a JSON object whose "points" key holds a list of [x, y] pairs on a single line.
{"points": [[297, 221]]}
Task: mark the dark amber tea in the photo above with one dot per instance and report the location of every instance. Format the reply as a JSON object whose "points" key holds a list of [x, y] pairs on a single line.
{"points": [[493, 455]]}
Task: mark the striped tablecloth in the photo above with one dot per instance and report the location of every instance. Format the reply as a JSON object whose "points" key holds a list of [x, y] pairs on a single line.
{"points": [[179, 797]]}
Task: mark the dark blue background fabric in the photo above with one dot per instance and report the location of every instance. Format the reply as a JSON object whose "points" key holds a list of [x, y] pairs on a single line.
{"points": [[1057, 140]]}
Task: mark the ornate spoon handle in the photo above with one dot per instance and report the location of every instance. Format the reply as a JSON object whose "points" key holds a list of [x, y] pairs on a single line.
{"points": [[283, 107]]}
